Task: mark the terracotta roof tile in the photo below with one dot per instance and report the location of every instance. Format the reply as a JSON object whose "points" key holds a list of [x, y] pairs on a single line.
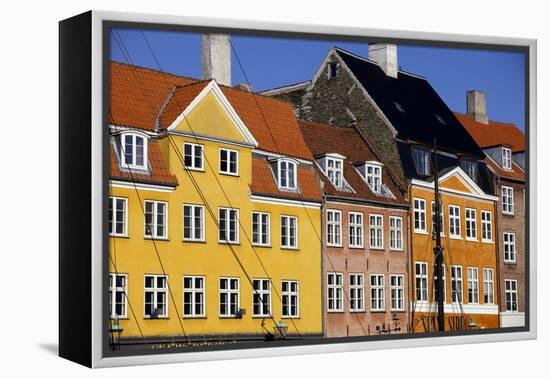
{"points": [[179, 100], [159, 173], [515, 174]]}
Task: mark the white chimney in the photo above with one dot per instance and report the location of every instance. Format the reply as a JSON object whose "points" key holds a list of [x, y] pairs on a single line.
{"points": [[477, 106], [385, 55], [216, 58]]}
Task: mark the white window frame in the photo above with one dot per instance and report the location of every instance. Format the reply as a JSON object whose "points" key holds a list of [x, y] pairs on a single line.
{"points": [[113, 290], [509, 247], [471, 223], [289, 294], [356, 229], [335, 173], [257, 235], [506, 158], [288, 177], [376, 230], [486, 226], [457, 283], [228, 163], [356, 292], [441, 215], [228, 291], [396, 233], [286, 232], [421, 212], [454, 222], [421, 282], [377, 293], [154, 225], [473, 285], [425, 163], [507, 200], [126, 165], [193, 223], [374, 178], [194, 290], [193, 156], [397, 292], [155, 289], [264, 294], [334, 228], [226, 230], [336, 301], [114, 217], [511, 295], [488, 286]]}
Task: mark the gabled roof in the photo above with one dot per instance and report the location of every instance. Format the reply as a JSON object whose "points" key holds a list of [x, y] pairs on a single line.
{"points": [[516, 173], [322, 139], [411, 105], [494, 133]]}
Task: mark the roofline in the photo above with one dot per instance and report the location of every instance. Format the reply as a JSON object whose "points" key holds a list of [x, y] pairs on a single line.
{"points": [[285, 88], [153, 70], [331, 197]]}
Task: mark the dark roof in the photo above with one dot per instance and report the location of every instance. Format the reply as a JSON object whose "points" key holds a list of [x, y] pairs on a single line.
{"points": [[412, 106]]}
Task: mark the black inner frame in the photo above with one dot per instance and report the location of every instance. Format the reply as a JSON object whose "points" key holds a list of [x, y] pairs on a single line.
{"points": [[106, 30]]}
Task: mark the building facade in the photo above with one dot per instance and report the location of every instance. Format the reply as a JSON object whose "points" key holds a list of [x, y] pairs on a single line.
{"points": [[365, 217]]}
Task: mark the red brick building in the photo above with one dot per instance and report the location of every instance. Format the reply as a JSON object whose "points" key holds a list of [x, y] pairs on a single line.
{"points": [[365, 259]]}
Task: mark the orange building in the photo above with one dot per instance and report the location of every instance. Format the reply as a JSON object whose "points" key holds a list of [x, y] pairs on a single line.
{"points": [[469, 250]]}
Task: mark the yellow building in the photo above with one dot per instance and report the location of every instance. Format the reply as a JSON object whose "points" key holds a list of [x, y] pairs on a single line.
{"points": [[213, 209], [470, 260]]}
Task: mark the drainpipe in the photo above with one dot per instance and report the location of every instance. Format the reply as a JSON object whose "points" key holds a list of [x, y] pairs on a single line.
{"points": [[323, 299], [497, 251]]}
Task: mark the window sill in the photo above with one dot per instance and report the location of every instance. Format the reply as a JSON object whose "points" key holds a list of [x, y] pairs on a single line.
{"points": [[401, 311], [290, 317], [230, 317], [229, 174], [509, 262], [357, 247], [396, 250], [335, 311], [357, 311], [194, 169], [377, 248], [472, 240], [457, 237], [335, 245], [290, 249], [119, 236], [157, 318], [487, 241], [261, 316], [120, 318], [508, 214], [194, 241], [378, 311], [262, 245], [155, 239], [226, 242], [420, 232], [188, 317]]}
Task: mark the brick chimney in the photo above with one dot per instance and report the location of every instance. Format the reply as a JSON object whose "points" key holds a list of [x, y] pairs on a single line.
{"points": [[477, 105], [385, 55], [216, 58]]}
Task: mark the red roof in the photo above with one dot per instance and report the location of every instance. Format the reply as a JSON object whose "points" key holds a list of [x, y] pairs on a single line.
{"points": [[515, 174], [494, 133]]}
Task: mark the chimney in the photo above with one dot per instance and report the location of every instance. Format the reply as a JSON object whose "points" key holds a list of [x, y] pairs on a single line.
{"points": [[216, 58], [477, 106], [385, 55]]}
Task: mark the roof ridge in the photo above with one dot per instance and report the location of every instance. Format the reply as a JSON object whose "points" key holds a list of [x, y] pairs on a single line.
{"points": [[152, 70], [491, 121]]}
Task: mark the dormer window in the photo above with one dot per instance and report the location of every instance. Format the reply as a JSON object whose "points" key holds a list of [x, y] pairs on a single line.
{"points": [[506, 158], [334, 171], [470, 167], [332, 70], [373, 175], [286, 174], [422, 161], [134, 151]]}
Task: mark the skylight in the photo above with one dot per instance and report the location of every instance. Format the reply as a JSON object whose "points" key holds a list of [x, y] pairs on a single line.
{"points": [[399, 107]]}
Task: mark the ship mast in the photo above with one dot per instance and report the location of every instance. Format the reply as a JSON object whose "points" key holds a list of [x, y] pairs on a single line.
{"points": [[438, 250]]}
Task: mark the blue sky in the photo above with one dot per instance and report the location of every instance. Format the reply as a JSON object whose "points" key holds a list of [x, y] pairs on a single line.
{"points": [[272, 62]]}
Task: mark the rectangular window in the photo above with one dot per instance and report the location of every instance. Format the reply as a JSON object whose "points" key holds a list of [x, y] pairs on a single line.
{"points": [[511, 291], [334, 171], [289, 232], [335, 291], [422, 161], [118, 212], [419, 215], [229, 162], [377, 292], [290, 299], [228, 221], [134, 152], [193, 296], [397, 288], [471, 225], [473, 286], [507, 200], [421, 281], [486, 226], [193, 222], [156, 294], [488, 286], [334, 228], [509, 247], [155, 219], [470, 167], [355, 230], [229, 296], [441, 221], [396, 233], [192, 156], [376, 225], [118, 295], [456, 284], [435, 283], [356, 292], [506, 158], [374, 177], [261, 229], [454, 221], [261, 301], [287, 174]]}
